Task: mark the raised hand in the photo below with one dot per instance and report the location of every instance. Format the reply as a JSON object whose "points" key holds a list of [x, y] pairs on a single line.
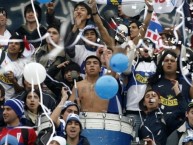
{"points": [[50, 7]]}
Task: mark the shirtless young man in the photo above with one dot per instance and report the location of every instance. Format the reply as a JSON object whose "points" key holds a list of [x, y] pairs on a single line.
{"points": [[89, 101]]}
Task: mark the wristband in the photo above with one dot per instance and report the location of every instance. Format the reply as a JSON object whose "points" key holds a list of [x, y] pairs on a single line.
{"points": [[95, 13], [149, 11]]}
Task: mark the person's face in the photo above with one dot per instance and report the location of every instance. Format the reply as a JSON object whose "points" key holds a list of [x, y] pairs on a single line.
{"points": [[72, 129], [54, 34], [106, 55], [53, 142], [28, 86], [164, 40], [32, 101], [151, 101], [90, 35], [30, 16], [3, 19], [120, 12], [9, 115], [68, 75], [189, 116], [143, 52], [92, 66], [170, 64], [70, 109], [81, 13], [134, 30], [146, 50], [14, 47]]}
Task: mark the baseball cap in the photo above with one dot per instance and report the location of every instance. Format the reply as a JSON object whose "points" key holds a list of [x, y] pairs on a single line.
{"points": [[190, 105], [73, 117], [91, 27], [68, 104], [60, 140]]}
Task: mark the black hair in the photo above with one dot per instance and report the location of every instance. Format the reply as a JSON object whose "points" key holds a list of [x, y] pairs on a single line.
{"points": [[138, 23], [69, 67], [89, 11], [159, 70], [3, 11], [93, 56], [141, 106], [37, 8], [54, 25], [25, 98], [22, 46]]}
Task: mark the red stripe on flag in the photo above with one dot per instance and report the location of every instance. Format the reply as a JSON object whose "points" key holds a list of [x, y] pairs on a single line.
{"points": [[154, 37], [148, 34]]}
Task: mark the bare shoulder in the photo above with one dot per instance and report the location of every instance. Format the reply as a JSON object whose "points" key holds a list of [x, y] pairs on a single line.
{"points": [[83, 82]]}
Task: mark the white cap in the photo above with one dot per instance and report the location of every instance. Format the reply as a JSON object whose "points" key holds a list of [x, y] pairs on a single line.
{"points": [[123, 28], [60, 140]]}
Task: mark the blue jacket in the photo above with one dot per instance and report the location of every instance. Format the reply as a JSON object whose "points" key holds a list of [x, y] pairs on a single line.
{"points": [[160, 125]]}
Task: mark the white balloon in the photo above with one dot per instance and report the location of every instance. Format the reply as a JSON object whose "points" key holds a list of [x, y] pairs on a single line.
{"points": [[34, 73], [133, 9]]}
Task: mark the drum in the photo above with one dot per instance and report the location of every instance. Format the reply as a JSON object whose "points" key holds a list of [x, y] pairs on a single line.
{"points": [[107, 129]]}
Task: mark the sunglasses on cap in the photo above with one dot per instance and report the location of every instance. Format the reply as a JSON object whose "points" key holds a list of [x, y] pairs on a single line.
{"points": [[190, 105]]}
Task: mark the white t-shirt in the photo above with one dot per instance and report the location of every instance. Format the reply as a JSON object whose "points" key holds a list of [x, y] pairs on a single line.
{"points": [[4, 39], [138, 84], [17, 68], [81, 53]]}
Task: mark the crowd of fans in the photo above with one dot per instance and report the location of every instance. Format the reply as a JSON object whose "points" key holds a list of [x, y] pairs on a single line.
{"points": [[155, 91]]}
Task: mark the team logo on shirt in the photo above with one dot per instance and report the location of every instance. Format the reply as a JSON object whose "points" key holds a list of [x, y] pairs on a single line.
{"points": [[141, 79], [169, 101], [5, 80]]}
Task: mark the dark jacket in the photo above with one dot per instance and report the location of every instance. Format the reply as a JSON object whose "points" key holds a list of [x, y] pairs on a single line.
{"points": [[2, 123], [22, 31], [48, 100], [161, 125], [83, 141]]}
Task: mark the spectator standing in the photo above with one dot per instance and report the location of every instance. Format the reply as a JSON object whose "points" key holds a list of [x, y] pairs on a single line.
{"points": [[30, 28], [185, 131], [12, 67], [143, 66], [49, 100], [42, 55], [33, 109], [81, 52], [167, 70], [60, 113], [81, 16], [12, 114], [70, 71], [75, 138], [4, 32], [89, 101], [156, 123]]}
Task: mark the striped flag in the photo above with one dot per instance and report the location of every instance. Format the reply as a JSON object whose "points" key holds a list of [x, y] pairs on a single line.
{"points": [[154, 29]]}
